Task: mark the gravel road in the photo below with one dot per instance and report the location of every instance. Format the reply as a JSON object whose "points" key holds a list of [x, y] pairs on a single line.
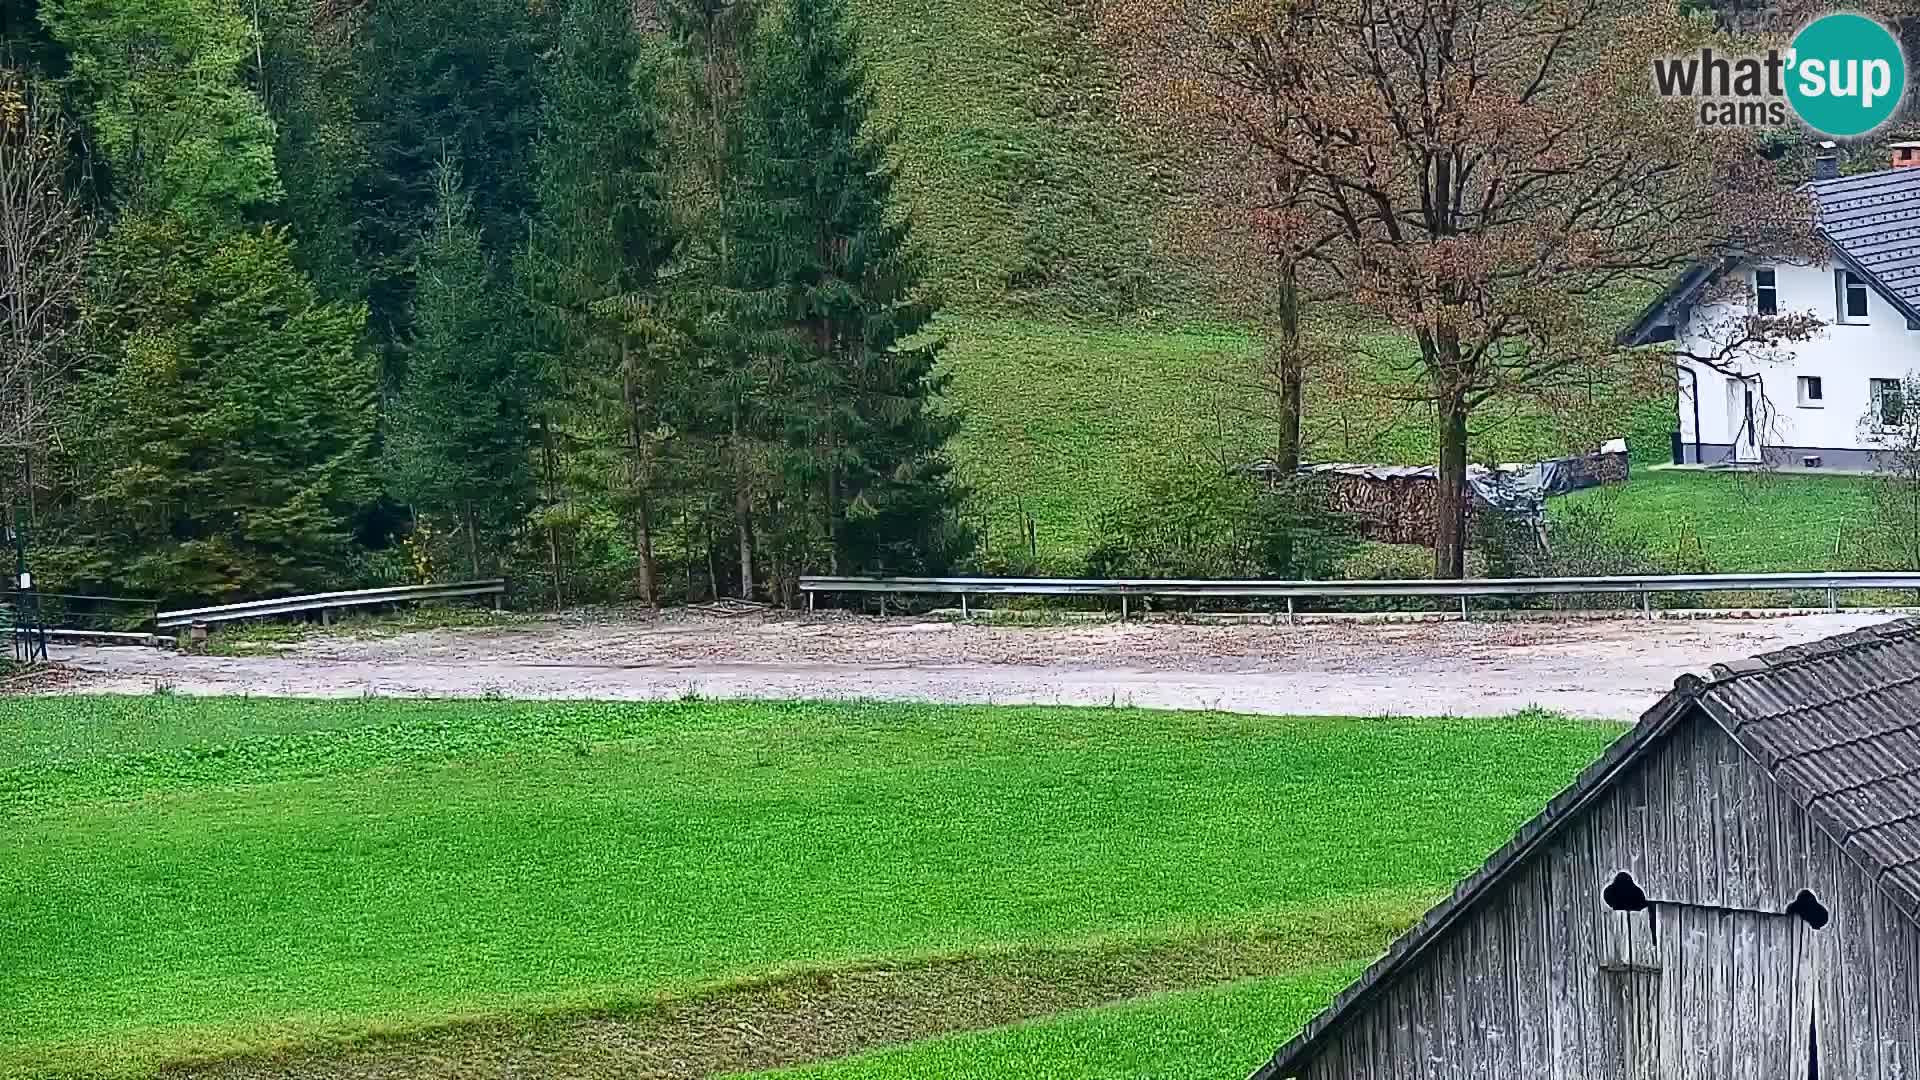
{"points": [[1605, 669]]}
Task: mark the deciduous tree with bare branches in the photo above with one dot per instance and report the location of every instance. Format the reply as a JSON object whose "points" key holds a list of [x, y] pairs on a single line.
{"points": [[45, 234]]}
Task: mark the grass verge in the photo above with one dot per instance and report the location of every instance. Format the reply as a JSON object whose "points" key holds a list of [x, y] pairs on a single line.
{"points": [[192, 878], [271, 638], [1215, 1033]]}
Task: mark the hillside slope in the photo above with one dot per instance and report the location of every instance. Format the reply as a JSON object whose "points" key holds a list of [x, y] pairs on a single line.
{"points": [[1085, 358]]}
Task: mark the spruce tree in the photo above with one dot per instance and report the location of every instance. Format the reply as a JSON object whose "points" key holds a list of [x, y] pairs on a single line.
{"points": [[821, 230], [440, 79], [602, 233], [727, 325], [222, 452], [457, 446]]}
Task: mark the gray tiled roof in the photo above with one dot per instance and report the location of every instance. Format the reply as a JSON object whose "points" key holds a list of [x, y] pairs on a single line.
{"points": [[1873, 222], [1837, 724]]}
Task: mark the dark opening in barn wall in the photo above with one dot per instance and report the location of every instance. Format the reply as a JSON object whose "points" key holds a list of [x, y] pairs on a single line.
{"points": [[1625, 894], [1809, 908]]}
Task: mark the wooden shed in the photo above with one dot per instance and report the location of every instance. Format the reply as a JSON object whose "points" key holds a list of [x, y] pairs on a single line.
{"points": [[1730, 893]]}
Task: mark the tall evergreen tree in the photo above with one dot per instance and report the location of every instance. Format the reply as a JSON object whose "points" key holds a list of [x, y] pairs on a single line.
{"points": [[602, 233], [303, 71], [440, 80], [713, 40], [457, 445], [822, 232], [227, 444]]}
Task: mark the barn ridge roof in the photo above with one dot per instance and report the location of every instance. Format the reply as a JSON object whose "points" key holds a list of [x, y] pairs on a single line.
{"points": [[1836, 723]]}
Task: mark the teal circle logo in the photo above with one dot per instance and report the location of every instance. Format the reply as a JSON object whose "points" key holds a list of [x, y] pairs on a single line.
{"points": [[1846, 75]]}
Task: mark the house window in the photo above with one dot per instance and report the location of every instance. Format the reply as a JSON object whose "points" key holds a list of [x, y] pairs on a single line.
{"points": [[1812, 394], [1852, 289], [1889, 405], [1766, 292]]}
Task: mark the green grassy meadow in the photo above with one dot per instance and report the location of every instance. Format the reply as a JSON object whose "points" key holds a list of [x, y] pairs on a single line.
{"points": [[184, 879], [1742, 522]]}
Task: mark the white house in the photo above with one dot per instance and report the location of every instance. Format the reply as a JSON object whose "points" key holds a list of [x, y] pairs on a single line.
{"points": [[1822, 402]]}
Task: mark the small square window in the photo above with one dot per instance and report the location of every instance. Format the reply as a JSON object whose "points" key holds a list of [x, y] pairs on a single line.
{"points": [[1852, 296], [1812, 394], [1766, 291]]}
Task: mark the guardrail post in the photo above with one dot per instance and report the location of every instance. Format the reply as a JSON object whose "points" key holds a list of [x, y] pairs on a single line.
{"points": [[964, 613], [810, 595], [1833, 599], [1464, 617], [326, 617], [1646, 603], [499, 602], [1289, 611], [1123, 607]]}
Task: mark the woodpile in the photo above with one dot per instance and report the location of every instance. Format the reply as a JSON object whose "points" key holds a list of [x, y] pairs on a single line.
{"points": [[1394, 504]]}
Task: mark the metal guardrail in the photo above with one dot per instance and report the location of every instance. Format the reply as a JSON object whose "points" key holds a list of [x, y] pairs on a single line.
{"points": [[33, 618], [327, 603], [1646, 587]]}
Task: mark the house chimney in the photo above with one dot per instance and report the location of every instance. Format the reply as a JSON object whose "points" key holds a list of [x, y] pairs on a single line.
{"points": [[1906, 155], [1826, 163]]}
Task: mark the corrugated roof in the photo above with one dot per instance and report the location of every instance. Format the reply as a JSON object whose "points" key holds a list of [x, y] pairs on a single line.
{"points": [[1837, 724], [1873, 222]]}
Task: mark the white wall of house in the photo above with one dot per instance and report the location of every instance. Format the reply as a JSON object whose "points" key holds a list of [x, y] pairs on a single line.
{"points": [[1845, 357]]}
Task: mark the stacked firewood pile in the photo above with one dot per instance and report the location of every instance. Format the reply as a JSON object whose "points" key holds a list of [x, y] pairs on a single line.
{"points": [[1388, 504], [1393, 504]]}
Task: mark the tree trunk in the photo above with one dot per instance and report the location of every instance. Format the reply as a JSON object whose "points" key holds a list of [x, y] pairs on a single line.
{"points": [[742, 510], [1450, 490], [642, 478], [1293, 376], [553, 536], [833, 507], [473, 541]]}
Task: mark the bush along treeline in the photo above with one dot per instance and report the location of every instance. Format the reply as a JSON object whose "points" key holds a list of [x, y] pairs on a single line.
{"points": [[615, 299]]}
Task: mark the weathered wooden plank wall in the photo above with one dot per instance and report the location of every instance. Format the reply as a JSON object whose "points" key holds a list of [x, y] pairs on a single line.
{"points": [[1517, 989]]}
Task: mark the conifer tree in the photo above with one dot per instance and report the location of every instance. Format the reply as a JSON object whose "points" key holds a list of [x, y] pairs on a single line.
{"points": [[602, 233], [440, 79], [728, 354], [821, 231], [224, 450], [458, 447]]}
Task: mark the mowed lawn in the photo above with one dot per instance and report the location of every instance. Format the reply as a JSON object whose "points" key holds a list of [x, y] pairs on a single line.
{"points": [[1742, 522], [182, 878]]}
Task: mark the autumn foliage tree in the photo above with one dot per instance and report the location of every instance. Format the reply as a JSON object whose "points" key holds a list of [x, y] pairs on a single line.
{"points": [[1219, 107], [1479, 173]]}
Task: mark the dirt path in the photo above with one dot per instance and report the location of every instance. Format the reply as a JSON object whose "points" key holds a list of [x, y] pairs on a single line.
{"points": [[1607, 669]]}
